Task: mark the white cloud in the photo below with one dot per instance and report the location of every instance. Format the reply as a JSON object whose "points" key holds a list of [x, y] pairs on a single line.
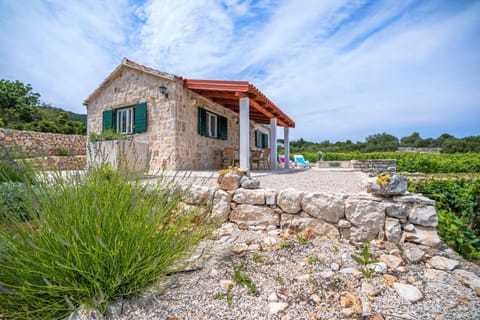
{"points": [[64, 49], [341, 69]]}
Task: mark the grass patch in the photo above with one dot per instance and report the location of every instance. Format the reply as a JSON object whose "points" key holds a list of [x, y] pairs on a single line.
{"points": [[91, 240]]}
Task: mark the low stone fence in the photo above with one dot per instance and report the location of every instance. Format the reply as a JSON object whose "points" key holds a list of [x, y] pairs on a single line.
{"points": [[53, 163], [377, 165], [361, 217], [360, 165], [35, 144]]}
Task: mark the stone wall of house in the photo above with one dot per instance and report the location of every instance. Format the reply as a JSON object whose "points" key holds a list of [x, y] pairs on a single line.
{"points": [[360, 217], [33, 144], [131, 87]]}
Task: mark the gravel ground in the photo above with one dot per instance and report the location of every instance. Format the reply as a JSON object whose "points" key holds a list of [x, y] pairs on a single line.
{"points": [[310, 180], [300, 280], [317, 180]]}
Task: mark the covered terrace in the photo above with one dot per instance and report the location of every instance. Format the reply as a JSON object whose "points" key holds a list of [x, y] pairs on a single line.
{"points": [[251, 104]]}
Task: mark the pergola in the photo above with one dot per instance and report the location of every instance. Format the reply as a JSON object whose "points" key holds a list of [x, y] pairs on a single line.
{"points": [[238, 96]]}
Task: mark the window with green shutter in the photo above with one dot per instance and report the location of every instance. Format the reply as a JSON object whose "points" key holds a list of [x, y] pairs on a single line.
{"points": [[212, 125], [261, 139], [127, 120]]}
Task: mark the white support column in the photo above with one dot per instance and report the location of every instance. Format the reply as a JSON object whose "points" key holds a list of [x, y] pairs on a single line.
{"points": [[273, 143], [244, 133], [286, 145]]}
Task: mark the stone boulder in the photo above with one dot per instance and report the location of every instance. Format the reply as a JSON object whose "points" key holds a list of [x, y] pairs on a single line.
{"points": [[427, 236], [468, 278], [249, 196], [396, 211], [329, 207], [414, 198], [423, 215], [221, 206], [249, 183], [251, 215], [229, 181], [393, 230], [318, 227], [196, 194], [442, 263], [367, 218], [290, 200], [395, 185], [408, 292]]}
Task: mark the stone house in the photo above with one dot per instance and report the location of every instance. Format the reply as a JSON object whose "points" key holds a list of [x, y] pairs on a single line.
{"points": [[187, 123]]}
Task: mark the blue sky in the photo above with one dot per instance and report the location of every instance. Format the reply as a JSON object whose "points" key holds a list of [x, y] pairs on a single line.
{"points": [[341, 69]]}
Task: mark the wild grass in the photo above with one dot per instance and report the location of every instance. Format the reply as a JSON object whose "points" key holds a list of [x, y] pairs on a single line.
{"points": [[91, 240]]}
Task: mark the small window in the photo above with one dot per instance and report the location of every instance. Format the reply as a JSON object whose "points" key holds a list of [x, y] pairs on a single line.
{"points": [[125, 120], [212, 125], [261, 139]]}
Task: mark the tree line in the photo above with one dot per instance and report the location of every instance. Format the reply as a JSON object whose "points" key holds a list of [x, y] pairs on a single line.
{"points": [[383, 142], [22, 109]]}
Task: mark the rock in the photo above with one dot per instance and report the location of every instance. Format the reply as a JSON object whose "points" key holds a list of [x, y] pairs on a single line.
{"points": [[221, 206], [195, 194], [367, 217], [413, 254], [270, 196], [329, 207], [469, 279], [272, 297], [248, 214], [316, 226], [414, 198], [114, 310], [348, 271], [366, 308], [393, 230], [396, 185], [396, 211], [390, 260], [290, 200], [226, 284], [240, 248], [85, 313], [389, 279], [380, 267], [315, 298], [230, 181], [423, 215], [249, 183], [434, 274], [270, 241], [247, 196], [408, 227], [277, 307], [411, 280], [334, 266], [423, 235], [442, 263], [344, 224], [408, 292], [351, 300], [370, 290]]}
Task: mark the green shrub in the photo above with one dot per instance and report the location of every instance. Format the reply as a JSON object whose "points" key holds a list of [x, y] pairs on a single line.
{"points": [[413, 162], [106, 135], [455, 201], [92, 240]]}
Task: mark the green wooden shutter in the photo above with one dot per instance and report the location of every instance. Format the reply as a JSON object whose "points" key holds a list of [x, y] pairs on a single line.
{"points": [[202, 121], [264, 140], [140, 118], [256, 138], [107, 120], [222, 128]]}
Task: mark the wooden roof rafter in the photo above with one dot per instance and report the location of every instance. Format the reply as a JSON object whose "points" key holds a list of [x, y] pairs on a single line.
{"points": [[228, 94]]}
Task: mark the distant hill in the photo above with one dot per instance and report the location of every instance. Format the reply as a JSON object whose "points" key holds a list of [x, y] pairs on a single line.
{"points": [[21, 109]]}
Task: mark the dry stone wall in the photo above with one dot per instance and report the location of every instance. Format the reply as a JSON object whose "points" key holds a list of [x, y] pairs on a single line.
{"points": [[34, 144], [360, 217]]}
